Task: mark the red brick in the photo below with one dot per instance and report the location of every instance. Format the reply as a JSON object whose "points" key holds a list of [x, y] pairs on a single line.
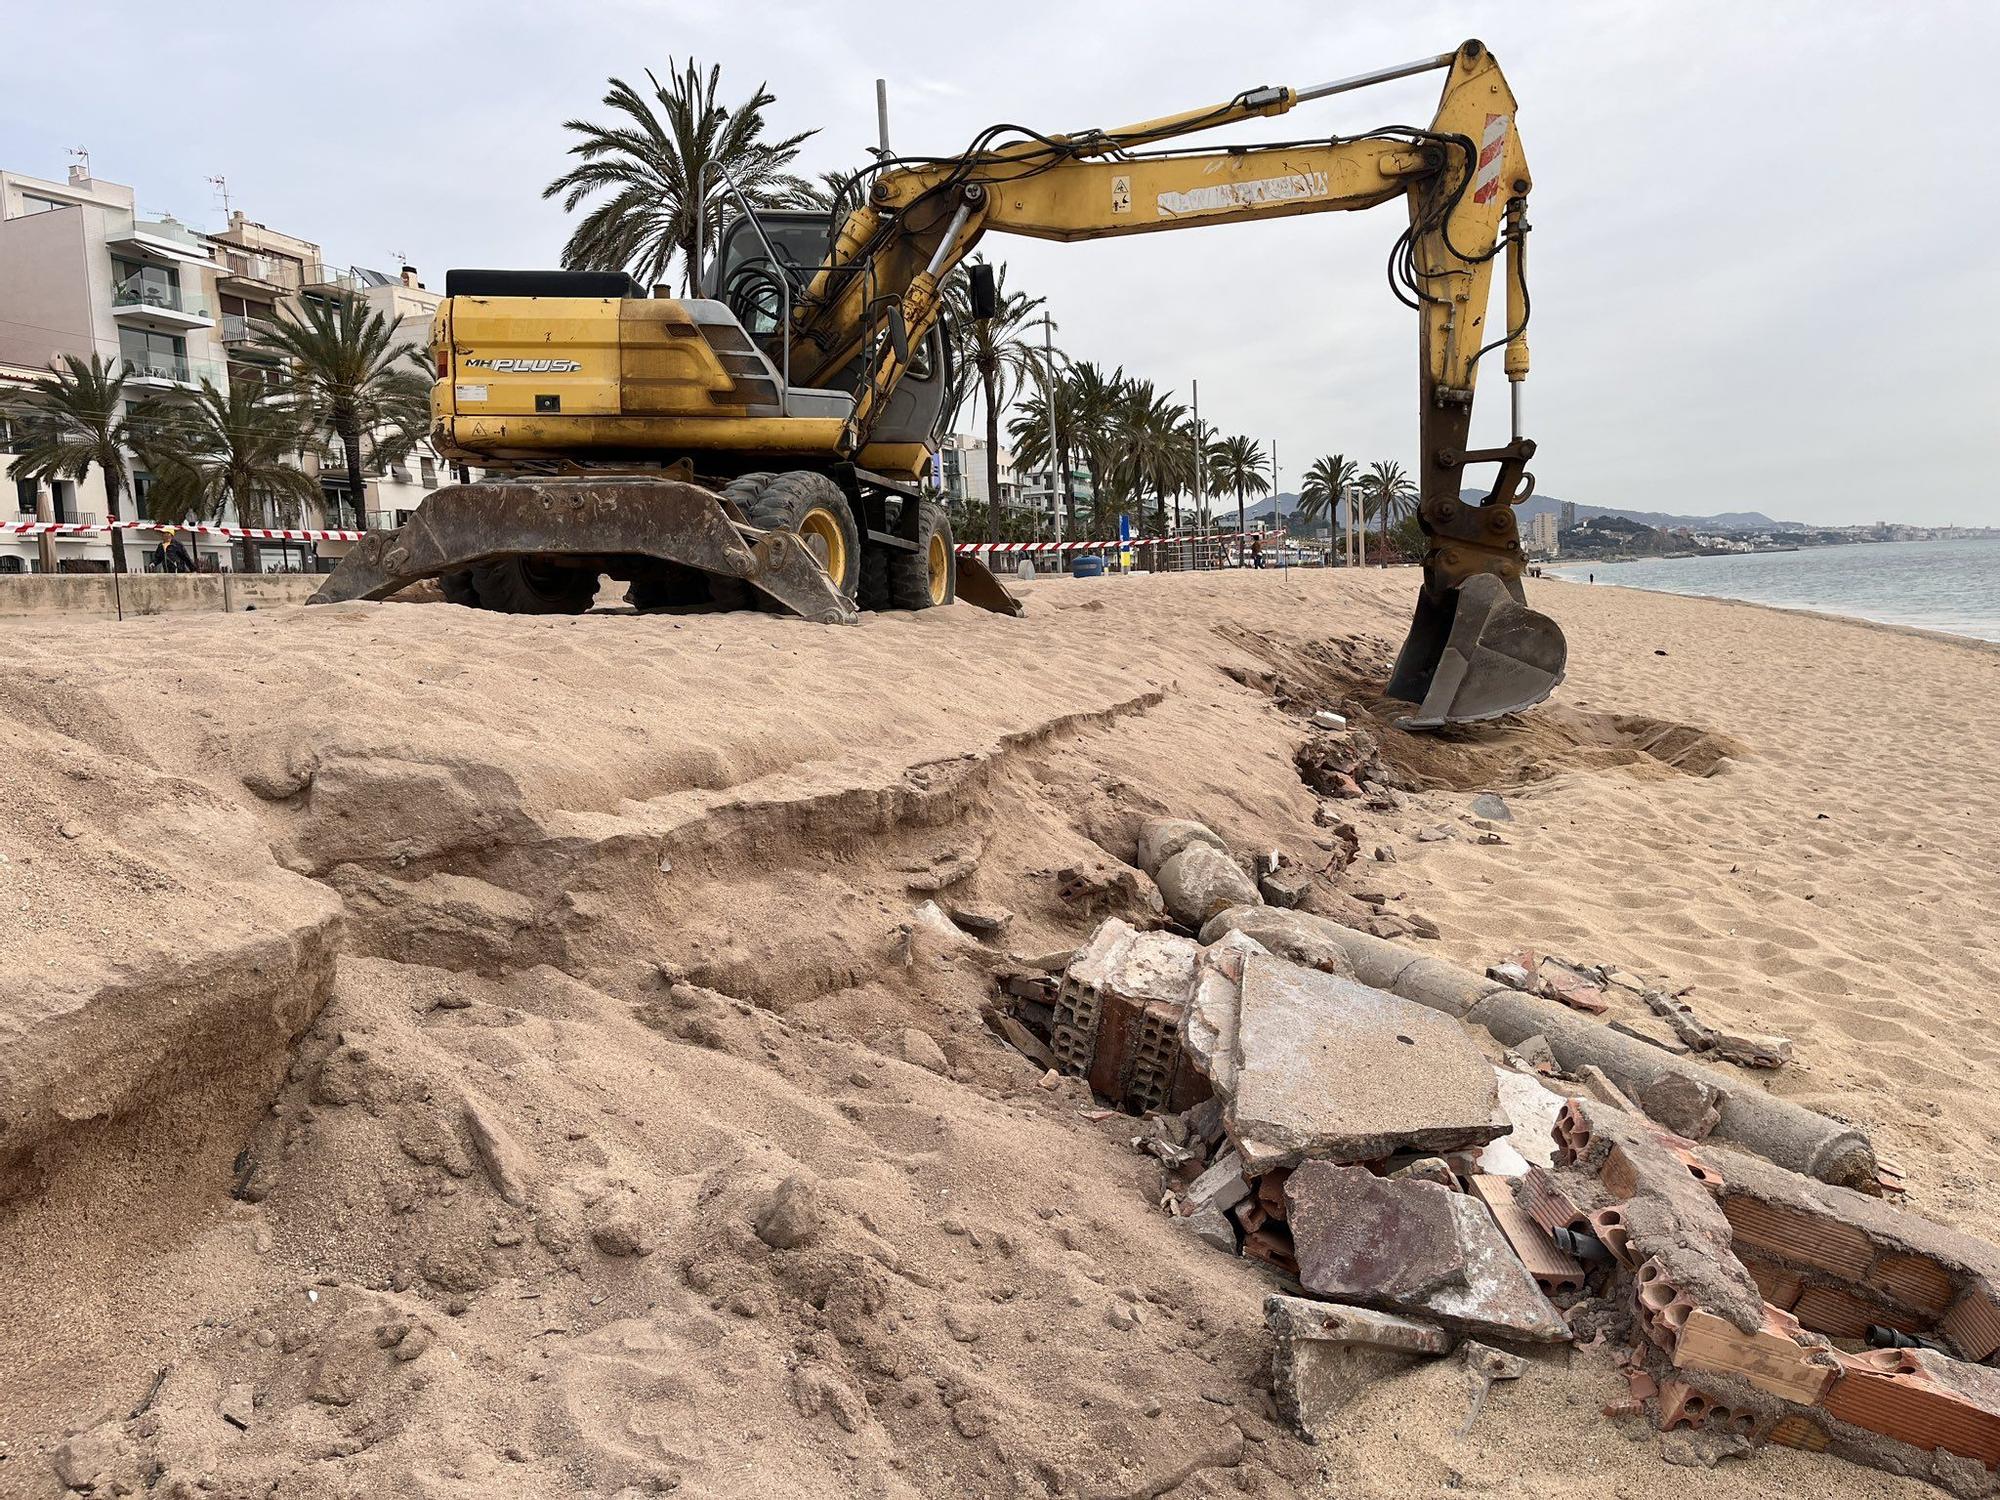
{"points": [[1769, 1359], [1891, 1391], [1973, 1325], [1822, 1243]]}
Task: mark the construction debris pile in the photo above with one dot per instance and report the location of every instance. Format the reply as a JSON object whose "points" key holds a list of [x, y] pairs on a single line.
{"points": [[1319, 1100]]}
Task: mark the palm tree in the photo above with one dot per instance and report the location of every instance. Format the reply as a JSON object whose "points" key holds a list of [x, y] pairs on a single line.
{"points": [[1237, 464], [1155, 451], [1029, 432], [1392, 493], [1326, 482], [229, 448], [661, 169], [76, 417], [356, 381], [1094, 398], [998, 351]]}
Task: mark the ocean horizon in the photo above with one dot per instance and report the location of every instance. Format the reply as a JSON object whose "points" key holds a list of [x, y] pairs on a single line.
{"points": [[1949, 586]]}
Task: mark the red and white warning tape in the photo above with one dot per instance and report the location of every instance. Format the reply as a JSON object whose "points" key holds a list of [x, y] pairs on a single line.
{"points": [[1015, 549], [295, 534], [93, 528]]}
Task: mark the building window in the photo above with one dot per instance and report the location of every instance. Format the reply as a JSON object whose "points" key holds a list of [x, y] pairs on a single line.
{"points": [[428, 468], [62, 499], [32, 204], [24, 493], [160, 354], [142, 495]]}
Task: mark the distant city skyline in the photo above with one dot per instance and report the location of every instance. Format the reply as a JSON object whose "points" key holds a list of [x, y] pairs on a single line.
{"points": [[1745, 283]]}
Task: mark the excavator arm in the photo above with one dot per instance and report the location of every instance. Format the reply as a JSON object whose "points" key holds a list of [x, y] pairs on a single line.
{"points": [[1474, 650]]}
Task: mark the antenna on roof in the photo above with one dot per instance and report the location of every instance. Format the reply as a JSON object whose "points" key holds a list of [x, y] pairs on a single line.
{"points": [[79, 167], [221, 186]]}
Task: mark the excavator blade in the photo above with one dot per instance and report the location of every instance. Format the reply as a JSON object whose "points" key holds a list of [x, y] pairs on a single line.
{"points": [[977, 585], [1474, 653], [666, 519]]}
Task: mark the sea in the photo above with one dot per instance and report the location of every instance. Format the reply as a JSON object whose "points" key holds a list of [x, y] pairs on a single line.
{"points": [[1949, 586]]}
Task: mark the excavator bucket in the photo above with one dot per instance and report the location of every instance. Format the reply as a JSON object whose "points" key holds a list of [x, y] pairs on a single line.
{"points": [[977, 585], [1476, 652], [666, 520]]}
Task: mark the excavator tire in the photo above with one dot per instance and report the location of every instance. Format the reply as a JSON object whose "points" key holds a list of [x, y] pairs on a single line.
{"points": [[811, 506], [670, 585], [928, 576], [521, 586], [457, 588]]}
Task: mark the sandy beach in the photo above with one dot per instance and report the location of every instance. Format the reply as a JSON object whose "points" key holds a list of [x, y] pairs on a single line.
{"points": [[622, 898]]}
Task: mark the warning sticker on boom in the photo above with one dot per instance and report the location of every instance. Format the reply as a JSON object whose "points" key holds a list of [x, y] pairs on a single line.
{"points": [[1209, 200], [1121, 195]]}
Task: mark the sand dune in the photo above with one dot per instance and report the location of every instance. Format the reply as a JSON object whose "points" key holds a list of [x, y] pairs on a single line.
{"points": [[623, 896]]}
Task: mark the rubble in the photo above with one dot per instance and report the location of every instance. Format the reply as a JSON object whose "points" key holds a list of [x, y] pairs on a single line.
{"points": [[1160, 839], [1492, 805], [1751, 1051], [1316, 942], [1332, 1069], [1117, 1018], [1413, 1247], [1322, 1354], [1363, 1238], [1201, 881]]}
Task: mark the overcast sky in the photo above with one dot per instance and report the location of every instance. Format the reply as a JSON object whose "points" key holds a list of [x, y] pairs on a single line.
{"points": [[1765, 235]]}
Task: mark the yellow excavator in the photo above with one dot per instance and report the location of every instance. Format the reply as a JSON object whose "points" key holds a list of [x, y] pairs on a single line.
{"points": [[762, 443]]}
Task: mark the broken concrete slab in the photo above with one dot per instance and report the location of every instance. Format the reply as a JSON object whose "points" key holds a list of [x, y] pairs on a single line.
{"points": [[1208, 1027], [1200, 881], [1323, 1355], [1221, 1187], [1299, 936], [1531, 1110], [1160, 839], [1485, 1289], [1363, 1238], [1331, 1069], [1212, 1227]]}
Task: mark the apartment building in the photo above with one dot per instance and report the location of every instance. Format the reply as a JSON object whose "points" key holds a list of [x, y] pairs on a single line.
{"points": [[960, 471], [1539, 538], [83, 271]]}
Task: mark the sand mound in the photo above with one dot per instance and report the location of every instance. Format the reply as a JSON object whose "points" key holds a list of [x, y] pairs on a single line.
{"points": [[602, 1159]]}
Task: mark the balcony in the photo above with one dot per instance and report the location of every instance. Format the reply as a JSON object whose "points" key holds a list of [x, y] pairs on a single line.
{"points": [[159, 305], [158, 239], [171, 372], [240, 328], [259, 273], [324, 279]]}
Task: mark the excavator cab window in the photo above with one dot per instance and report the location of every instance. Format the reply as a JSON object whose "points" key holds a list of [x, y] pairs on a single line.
{"points": [[750, 277]]}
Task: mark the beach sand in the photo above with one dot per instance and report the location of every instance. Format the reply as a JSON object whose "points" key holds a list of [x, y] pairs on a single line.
{"points": [[604, 915]]}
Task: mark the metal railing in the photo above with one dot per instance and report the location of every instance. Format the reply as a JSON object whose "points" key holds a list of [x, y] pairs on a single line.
{"points": [[138, 291], [244, 328]]}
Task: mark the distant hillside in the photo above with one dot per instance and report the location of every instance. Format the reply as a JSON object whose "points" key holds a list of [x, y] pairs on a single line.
{"points": [[1728, 520], [1285, 502]]}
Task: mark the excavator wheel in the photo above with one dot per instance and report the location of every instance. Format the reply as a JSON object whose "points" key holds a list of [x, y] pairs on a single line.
{"points": [[928, 576], [457, 588], [671, 585], [523, 586], [811, 506]]}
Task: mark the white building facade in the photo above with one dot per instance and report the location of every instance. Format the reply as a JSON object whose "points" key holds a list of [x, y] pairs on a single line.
{"points": [[83, 273]]}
